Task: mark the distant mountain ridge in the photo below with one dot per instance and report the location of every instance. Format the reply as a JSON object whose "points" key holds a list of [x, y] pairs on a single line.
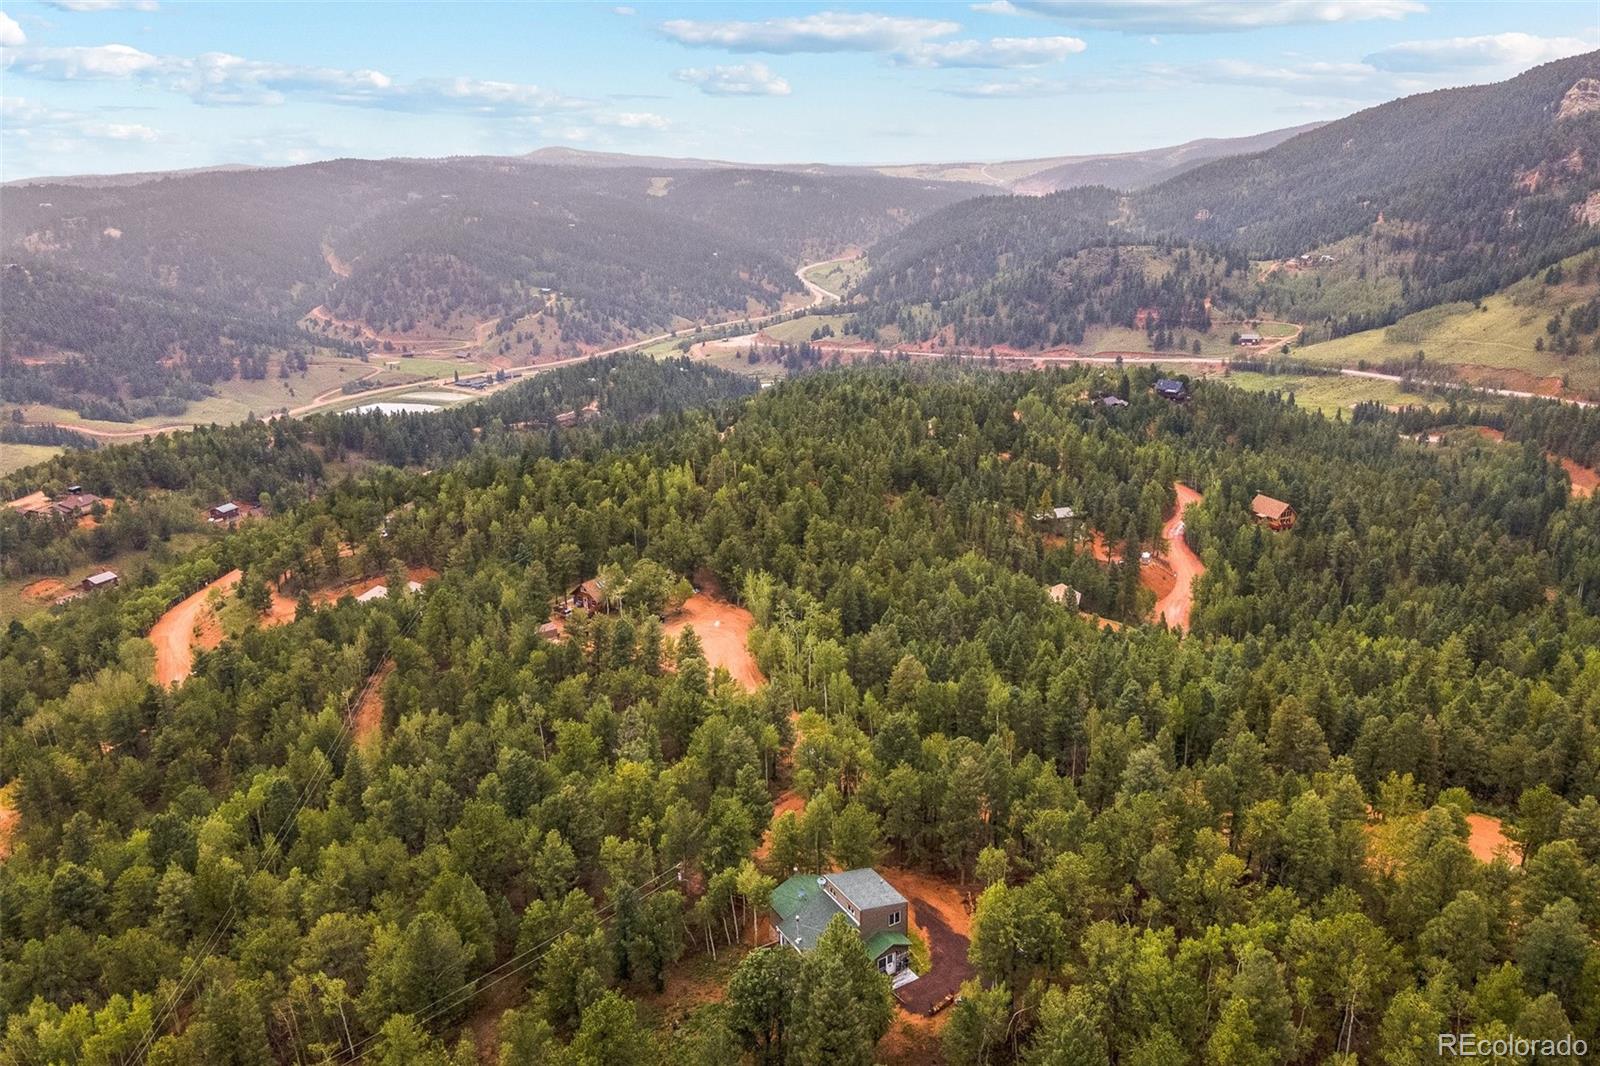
{"points": [[1449, 195]]}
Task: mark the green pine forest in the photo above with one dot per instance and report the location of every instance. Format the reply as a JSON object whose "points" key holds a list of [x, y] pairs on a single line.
{"points": [[1241, 844]]}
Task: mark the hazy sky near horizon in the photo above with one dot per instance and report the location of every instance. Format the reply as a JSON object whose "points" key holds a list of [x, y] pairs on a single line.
{"points": [[99, 86]]}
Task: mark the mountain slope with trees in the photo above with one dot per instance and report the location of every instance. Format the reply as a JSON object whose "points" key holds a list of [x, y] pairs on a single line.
{"points": [[1243, 844], [1461, 191]]}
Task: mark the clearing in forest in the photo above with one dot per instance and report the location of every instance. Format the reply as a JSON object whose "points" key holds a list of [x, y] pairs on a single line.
{"points": [[174, 634], [9, 817], [1487, 839], [724, 632], [368, 718]]}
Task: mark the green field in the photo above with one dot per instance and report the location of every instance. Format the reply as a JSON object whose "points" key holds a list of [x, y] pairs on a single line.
{"points": [[14, 457], [431, 367], [1213, 345], [837, 276], [237, 399], [799, 330], [1502, 335], [1324, 393]]}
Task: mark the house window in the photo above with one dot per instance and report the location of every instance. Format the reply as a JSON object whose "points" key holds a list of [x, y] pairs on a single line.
{"points": [[894, 917]]}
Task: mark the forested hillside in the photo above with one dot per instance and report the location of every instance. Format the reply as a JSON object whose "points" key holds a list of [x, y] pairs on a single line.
{"points": [[1473, 188], [209, 273], [1242, 844], [130, 351]]}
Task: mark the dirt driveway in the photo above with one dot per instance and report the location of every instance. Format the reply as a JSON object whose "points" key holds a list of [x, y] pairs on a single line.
{"points": [[174, 637], [1175, 606], [939, 914]]}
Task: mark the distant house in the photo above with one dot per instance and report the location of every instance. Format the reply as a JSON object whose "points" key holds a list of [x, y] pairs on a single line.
{"points": [[378, 592], [551, 631], [1063, 593], [590, 595], [76, 502], [1056, 514], [224, 512], [803, 906], [105, 579], [1113, 401], [1274, 514], [1172, 389], [1249, 338]]}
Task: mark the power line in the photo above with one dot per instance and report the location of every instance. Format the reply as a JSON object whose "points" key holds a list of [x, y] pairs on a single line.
{"points": [[276, 841], [521, 961]]}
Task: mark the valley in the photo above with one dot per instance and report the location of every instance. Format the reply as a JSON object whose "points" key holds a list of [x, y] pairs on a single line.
{"points": [[609, 609]]}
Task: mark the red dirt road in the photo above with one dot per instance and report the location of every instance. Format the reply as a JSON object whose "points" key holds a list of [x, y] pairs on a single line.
{"points": [[1175, 606], [724, 632], [173, 634]]}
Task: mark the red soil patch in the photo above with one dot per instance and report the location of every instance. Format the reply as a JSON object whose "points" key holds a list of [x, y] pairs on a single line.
{"points": [[1102, 622], [368, 719], [174, 632], [788, 801], [281, 611], [32, 501], [1584, 480], [45, 590], [89, 521], [724, 632], [10, 817], [1496, 435], [1487, 839]]}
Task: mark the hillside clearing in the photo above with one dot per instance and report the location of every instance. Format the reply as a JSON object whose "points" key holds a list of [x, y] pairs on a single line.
{"points": [[724, 632]]}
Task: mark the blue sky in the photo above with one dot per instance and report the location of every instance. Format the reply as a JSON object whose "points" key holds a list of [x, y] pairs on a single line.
{"points": [[90, 86]]}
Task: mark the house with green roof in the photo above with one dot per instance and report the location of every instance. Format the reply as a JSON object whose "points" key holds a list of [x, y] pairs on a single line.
{"points": [[803, 906]]}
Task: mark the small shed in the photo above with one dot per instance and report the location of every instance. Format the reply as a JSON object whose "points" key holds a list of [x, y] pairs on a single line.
{"points": [[1062, 593], [1172, 389], [224, 512], [105, 579], [1113, 401], [1249, 338], [1276, 515]]}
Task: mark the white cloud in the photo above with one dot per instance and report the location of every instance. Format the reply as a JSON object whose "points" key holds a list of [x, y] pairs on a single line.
{"points": [[1215, 16], [995, 53], [825, 31], [218, 78], [625, 11], [1021, 88], [103, 5], [745, 79], [996, 7], [1489, 52], [632, 120], [11, 35], [39, 124]]}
